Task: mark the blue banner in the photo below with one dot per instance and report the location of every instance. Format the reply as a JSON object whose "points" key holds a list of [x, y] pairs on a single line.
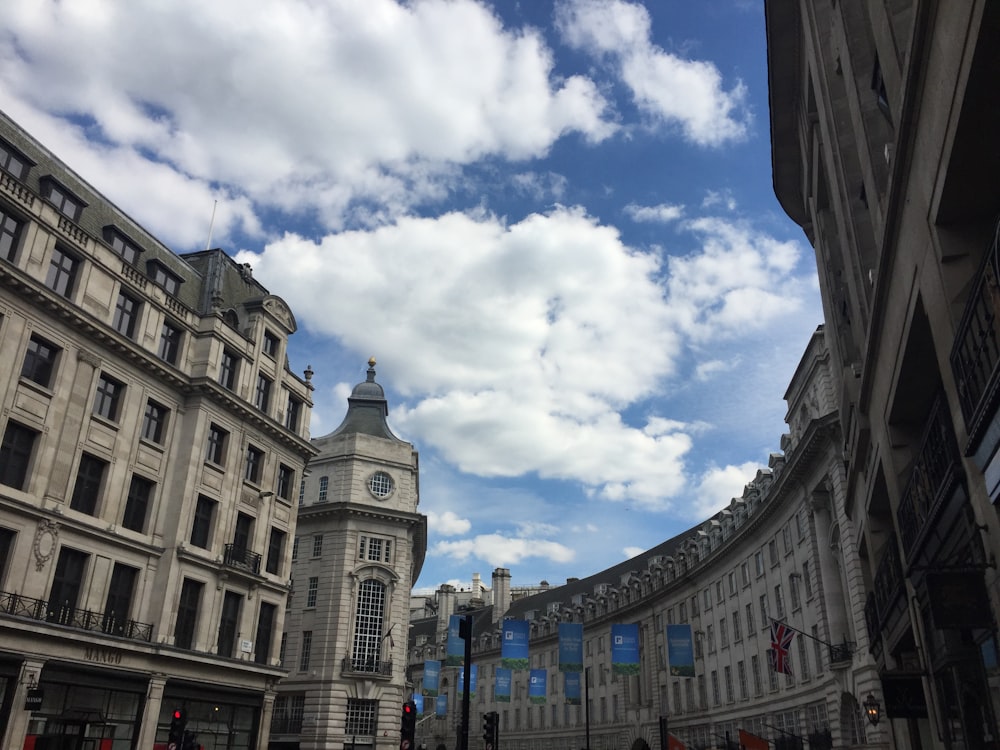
{"points": [[455, 653], [503, 680], [537, 682], [570, 647], [472, 680], [432, 677], [418, 703], [680, 650], [441, 706], [625, 649], [572, 688], [514, 651]]}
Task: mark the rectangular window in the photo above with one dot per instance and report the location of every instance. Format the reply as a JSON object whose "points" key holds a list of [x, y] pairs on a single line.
{"points": [[201, 529], [741, 675], [140, 491], [292, 413], [749, 611], [67, 581], [108, 399], [737, 630], [324, 483], [716, 696], [772, 551], [118, 605], [154, 421], [286, 478], [707, 599], [793, 591], [122, 245], [758, 686], [723, 633], [719, 594], [6, 546], [745, 573], [765, 615], [10, 235], [265, 633], [229, 622], [786, 539], [362, 717], [374, 549], [15, 454], [61, 199], [728, 675], [263, 394], [682, 612], [281, 651], [305, 652], [126, 315], [312, 592], [295, 549], [779, 602], [39, 361], [228, 368], [164, 279], [317, 545], [89, 483], [798, 526], [215, 451], [187, 613], [710, 638], [732, 582], [694, 606], [803, 659], [270, 344], [62, 272], [302, 491], [806, 581], [758, 563], [13, 161], [275, 548], [170, 343], [254, 464]]}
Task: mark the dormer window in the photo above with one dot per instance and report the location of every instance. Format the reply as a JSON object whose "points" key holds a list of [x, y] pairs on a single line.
{"points": [[14, 162], [163, 278], [125, 247], [270, 346], [62, 199]]}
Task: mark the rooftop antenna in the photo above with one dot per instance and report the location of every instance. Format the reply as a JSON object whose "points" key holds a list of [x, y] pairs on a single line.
{"points": [[211, 224]]}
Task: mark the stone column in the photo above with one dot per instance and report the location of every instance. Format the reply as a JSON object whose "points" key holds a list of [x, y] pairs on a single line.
{"points": [[266, 712], [151, 712], [17, 727]]}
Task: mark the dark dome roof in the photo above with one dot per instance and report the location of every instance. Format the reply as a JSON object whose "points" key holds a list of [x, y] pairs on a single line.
{"points": [[367, 409]]}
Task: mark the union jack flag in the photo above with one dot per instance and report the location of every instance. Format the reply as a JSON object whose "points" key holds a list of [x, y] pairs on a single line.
{"points": [[781, 642]]}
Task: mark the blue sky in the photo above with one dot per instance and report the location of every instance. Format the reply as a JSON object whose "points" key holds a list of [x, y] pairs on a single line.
{"points": [[550, 221]]}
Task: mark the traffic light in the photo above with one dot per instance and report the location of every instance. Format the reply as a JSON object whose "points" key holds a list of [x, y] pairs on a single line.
{"points": [[178, 720], [190, 741], [408, 726], [491, 729]]}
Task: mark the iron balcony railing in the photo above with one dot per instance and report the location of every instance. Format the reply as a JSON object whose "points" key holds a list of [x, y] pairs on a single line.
{"points": [[16, 605], [238, 556], [888, 584], [931, 478], [976, 352], [842, 653], [366, 665]]}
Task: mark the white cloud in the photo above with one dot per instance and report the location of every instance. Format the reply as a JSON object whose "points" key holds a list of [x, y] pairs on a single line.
{"points": [[722, 198], [357, 111], [663, 213], [708, 370], [498, 550], [630, 552], [688, 94], [717, 487], [447, 523]]}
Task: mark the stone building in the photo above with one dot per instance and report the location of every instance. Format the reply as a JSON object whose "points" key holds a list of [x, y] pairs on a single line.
{"points": [[884, 128], [153, 438], [359, 547], [785, 550]]}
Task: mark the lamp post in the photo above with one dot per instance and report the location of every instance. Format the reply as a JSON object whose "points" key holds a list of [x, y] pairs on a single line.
{"points": [[873, 710]]}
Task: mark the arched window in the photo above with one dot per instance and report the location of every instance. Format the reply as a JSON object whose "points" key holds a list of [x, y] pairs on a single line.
{"points": [[368, 625]]}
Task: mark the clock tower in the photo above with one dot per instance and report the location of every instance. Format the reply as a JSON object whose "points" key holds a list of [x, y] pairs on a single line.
{"points": [[359, 547]]}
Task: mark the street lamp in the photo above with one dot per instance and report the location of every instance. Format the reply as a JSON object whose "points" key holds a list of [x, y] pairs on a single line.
{"points": [[873, 710]]}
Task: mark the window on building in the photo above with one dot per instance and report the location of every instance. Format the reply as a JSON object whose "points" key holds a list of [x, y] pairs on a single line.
{"points": [[741, 675], [305, 653], [803, 659], [140, 492], [61, 275], [302, 491], [317, 545], [732, 582], [295, 549], [369, 614], [201, 529], [745, 573], [779, 602], [270, 344], [39, 361], [758, 686], [312, 592], [765, 615], [128, 250], [723, 632], [10, 235], [228, 369], [275, 549], [749, 611], [7, 537], [282, 649], [710, 638], [694, 606], [375, 549], [254, 464], [118, 604], [229, 622], [263, 393], [187, 613], [716, 696], [806, 580], [799, 529], [67, 580], [324, 483], [758, 563], [265, 633], [166, 280], [706, 599], [14, 162], [719, 594], [286, 478], [126, 317], [242, 534], [772, 680], [362, 717], [772, 551], [293, 413], [154, 422], [682, 612], [786, 539], [109, 396], [698, 644], [737, 630], [817, 649], [793, 591], [728, 676], [170, 343], [89, 483], [62, 199], [216, 450], [15, 454]]}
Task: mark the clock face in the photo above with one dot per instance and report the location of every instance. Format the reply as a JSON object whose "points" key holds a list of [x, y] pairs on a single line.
{"points": [[380, 484]]}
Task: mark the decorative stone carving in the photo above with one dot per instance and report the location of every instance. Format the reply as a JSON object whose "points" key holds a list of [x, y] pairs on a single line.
{"points": [[44, 545]]}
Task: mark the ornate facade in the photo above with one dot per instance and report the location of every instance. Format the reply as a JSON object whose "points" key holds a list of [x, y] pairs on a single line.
{"points": [[784, 550], [153, 438]]}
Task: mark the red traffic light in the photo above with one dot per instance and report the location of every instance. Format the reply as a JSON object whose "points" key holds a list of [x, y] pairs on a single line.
{"points": [[407, 708], [177, 713]]}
